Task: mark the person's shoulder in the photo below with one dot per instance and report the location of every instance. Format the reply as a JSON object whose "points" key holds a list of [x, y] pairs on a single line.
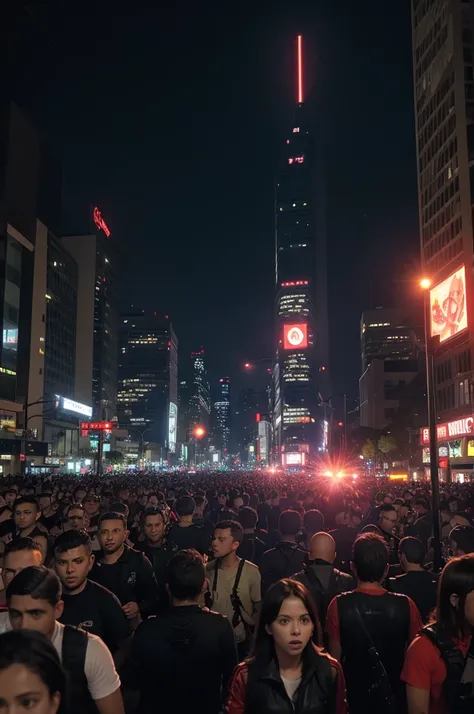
{"points": [[211, 566], [336, 668], [250, 567], [99, 591]]}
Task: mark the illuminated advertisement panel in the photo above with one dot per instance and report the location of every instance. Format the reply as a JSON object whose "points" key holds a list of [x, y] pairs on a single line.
{"points": [[450, 430], [295, 336], [293, 459], [448, 312], [172, 425]]}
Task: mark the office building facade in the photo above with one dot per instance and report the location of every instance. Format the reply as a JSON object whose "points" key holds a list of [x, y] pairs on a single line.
{"points": [[388, 334], [147, 399], [301, 318], [221, 413], [200, 393]]}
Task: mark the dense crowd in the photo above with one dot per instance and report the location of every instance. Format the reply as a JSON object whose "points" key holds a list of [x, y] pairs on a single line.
{"points": [[236, 593]]}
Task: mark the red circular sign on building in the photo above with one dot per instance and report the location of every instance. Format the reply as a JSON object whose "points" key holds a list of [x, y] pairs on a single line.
{"points": [[295, 336]]}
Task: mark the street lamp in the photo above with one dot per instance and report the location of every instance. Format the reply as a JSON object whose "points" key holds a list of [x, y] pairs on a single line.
{"points": [[425, 285], [198, 433]]}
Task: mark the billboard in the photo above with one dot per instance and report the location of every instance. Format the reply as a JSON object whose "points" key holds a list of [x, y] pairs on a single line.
{"points": [[295, 336], [448, 312], [70, 405], [172, 426]]}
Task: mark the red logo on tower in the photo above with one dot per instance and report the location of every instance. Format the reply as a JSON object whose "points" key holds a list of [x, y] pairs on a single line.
{"points": [[295, 336]]}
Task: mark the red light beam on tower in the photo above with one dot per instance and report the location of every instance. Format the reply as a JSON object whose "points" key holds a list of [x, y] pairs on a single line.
{"points": [[300, 69]]}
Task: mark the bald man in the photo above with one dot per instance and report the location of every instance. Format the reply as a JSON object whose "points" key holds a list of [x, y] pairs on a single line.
{"points": [[322, 579]]}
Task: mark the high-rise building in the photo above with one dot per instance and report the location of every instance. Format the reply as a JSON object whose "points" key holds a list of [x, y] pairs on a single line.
{"points": [[96, 260], [250, 403], [222, 417], [200, 397], [388, 334], [147, 399], [443, 63], [301, 306]]}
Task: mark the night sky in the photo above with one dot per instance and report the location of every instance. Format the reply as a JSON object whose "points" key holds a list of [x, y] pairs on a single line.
{"points": [[172, 120]]}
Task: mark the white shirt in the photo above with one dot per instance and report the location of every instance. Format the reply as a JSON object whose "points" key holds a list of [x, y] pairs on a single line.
{"points": [[99, 668]]}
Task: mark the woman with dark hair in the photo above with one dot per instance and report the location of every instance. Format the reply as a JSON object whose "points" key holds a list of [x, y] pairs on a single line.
{"points": [[287, 672], [31, 676], [436, 660]]}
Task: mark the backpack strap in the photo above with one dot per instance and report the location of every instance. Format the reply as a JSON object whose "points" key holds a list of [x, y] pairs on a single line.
{"points": [[73, 658], [451, 655], [236, 601]]}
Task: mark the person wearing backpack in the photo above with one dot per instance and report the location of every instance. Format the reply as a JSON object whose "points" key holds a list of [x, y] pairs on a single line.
{"points": [[438, 672], [252, 547], [34, 603], [287, 672], [286, 558], [319, 575], [369, 630], [234, 584]]}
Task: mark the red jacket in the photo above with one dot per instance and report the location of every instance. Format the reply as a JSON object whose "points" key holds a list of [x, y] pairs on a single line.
{"points": [[238, 685]]}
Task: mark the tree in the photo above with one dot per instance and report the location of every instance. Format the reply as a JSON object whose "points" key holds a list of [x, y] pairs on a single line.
{"points": [[368, 450], [114, 457], [387, 444]]}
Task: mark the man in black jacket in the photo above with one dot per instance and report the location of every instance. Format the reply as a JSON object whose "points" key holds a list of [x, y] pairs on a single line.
{"points": [[322, 579], [416, 582], [286, 558], [252, 547], [182, 661], [124, 571]]}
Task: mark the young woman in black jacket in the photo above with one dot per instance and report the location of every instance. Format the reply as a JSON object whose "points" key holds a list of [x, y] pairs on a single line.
{"points": [[288, 673]]}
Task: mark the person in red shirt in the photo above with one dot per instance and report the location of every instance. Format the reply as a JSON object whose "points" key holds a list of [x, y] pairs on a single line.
{"points": [[287, 671], [424, 671], [369, 617]]}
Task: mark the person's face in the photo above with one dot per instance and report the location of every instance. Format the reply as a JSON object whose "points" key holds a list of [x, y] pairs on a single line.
{"points": [[388, 499], [238, 503], [293, 627], [408, 496], [23, 692], [222, 500], [79, 495], [10, 496], [143, 500], [73, 567], [13, 563], [152, 501], [154, 528], [75, 519], [26, 514], [388, 521], [355, 521], [112, 535], [223, 542], [133, 497], [45, 503], [92, 507], [124, 495], [397, 507], [28, 613], [445, 516]]}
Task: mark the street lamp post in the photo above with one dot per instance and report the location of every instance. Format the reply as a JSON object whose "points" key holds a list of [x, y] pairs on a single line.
{"points": [[431, 404], [27, 418]]}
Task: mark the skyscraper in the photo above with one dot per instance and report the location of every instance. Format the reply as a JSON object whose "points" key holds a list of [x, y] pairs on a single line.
{"points": [[147, 398], [443, 59], [222, 416], [300, 290], [200, 393]]}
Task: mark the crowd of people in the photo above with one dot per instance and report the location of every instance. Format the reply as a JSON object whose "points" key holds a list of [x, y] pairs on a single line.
{"points": [[238, 593]]}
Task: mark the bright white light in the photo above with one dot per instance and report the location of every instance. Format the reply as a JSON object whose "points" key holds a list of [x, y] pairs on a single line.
{"points": [[354, 476], [329, 474], [340, 474]]}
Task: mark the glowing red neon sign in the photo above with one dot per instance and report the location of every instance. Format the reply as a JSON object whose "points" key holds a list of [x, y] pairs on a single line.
{"points": [[295, 336], [296, 160], [294, 283], [300, 69], [100, 223]]}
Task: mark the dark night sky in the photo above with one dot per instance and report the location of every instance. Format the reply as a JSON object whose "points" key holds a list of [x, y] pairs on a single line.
{"points": [[171, 121]]}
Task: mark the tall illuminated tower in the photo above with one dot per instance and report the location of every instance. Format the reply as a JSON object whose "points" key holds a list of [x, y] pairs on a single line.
{"points": [[301, 308]]}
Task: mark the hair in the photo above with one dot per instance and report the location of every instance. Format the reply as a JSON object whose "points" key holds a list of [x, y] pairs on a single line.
{"points": [[413, 549], [463, 536], [18, 544], [386, 508], [313, 521], [457, 578], [421, 501], [113, 516], [72, 539], [35, 652], [370, 556], [74, 507], [26, 500], [153, 511], [289, 523], [199, 500], [185, 506], [248, 517], [234, 527], [45, 494], [120, 507], [464, 515], [263, 650], [186, 574], [91, 497], [38, 582]]}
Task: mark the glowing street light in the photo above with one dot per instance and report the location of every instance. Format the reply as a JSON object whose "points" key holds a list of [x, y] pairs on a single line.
{"points": [[199, 432], [425, 283]]}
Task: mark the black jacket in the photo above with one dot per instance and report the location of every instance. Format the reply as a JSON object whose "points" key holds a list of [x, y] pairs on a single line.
{"points": [[251, 548], [324, 582], [420, 586], [181, 661], [131, 579], [283, 561], [265, 692]]}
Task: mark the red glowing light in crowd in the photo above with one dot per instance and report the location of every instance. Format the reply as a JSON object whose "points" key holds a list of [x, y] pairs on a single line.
{"points": [[300, 69], [99, 221], [339, 423]]}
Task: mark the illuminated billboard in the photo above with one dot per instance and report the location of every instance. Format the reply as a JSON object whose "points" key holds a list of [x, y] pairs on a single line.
{"points": [[448, 312], [295, 336], [172, 426]]}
